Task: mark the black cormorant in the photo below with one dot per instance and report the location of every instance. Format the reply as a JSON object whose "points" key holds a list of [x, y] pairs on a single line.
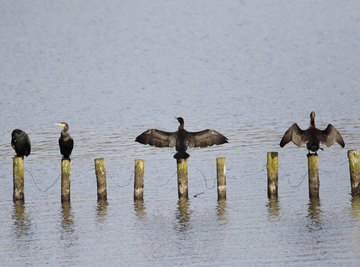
{"points": [[312, 136], [66, 143], [181, 139], [20, 142]]}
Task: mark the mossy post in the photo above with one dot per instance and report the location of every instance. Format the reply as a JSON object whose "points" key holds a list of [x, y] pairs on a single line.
{"points": [[182, 176], [313, 173], [18, 179], [272, 174], [65, 180], [221, 177], [100, 173], [139, 179], [353, 156]]}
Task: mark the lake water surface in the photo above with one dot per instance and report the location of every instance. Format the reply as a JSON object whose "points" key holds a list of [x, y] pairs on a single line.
{"points": [[113, 69]]}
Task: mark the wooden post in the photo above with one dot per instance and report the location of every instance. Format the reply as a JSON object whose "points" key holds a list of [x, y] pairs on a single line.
{"points": [[100, 173], [65, 180], [272, 174], [139, 179], [353, 156], [18, 179], [182, 176], [313, 173], [221, 177]]}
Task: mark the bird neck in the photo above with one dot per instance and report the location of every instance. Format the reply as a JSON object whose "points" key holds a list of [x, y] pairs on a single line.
{"points": [[312, 122], [64, 132], [181, 126]]}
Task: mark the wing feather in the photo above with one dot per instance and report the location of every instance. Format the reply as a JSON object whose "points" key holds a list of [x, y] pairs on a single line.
{"points": [[331, 135], [205, 138], [157, 138], [294, 134]]}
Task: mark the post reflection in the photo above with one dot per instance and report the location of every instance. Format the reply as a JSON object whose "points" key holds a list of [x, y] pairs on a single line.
{"points": [[221, 209], [21, 220], [67, 216], [273, 206], [183, 215], [101, 210], [139, 207], [68, 234], [355, 207], [314, 213]]}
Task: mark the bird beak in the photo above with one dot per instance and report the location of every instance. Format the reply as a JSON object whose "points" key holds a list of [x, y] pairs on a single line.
{"points": [[59, 124]]}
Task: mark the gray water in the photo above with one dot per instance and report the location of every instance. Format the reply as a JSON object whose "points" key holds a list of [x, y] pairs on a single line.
{"points": [[113, 69]]}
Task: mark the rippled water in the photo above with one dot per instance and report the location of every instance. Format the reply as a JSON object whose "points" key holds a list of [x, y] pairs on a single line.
{"points": [[113, 69]]}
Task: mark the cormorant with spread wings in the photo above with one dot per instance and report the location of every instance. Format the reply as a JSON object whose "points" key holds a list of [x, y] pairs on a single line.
{"points": [[312, 136], [181, 139]]}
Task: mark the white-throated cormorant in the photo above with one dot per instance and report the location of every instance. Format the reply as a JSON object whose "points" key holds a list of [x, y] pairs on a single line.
{"points": [[20, 142], [312, 136], [66, 143], [181, 139]]}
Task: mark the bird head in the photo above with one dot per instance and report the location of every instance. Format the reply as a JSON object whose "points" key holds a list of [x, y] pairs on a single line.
{"points": [[180, 120], [312, 118], [312, 115], [62, 124]]}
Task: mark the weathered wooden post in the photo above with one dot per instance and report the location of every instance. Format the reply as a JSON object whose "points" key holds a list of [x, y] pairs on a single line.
{"points": [[65, 180], [221, 177], [139, 179], [182, 176], [313, 173], [353, 156], [100, 173], [272, 174], [18, 179]]}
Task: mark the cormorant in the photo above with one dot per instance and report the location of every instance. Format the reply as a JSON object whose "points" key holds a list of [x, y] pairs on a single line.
{"points": [[181, 139], [20, 142], [312, 136], [66, 143]]}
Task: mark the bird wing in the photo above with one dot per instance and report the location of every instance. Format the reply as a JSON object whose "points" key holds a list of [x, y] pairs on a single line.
{"points": [[205, 138], [330, 135], [28, 150], [294, 134], [157, 138]]}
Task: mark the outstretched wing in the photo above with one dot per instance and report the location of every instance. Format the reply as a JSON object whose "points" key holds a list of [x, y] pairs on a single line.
{"points": [[330, 135], [157, 138], [205, 138], [294, 134]]}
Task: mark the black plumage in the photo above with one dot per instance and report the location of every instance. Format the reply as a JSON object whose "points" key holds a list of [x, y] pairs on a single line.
{"points": [[312, 136], [181, 139], [66, 143], [20, 142]]}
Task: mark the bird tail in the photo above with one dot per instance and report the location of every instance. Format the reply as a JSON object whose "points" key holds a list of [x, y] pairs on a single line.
{"points": [[181, 155]]}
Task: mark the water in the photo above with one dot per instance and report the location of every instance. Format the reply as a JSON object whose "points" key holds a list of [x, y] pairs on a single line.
{"points": [[113, 69]]}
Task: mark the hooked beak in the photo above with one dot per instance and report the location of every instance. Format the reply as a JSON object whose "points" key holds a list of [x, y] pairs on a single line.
{"points": [[59, 124]]}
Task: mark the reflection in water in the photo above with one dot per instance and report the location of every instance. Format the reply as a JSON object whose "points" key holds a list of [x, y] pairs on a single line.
{"points": [[21, 220], [101, 210], [183, 215], [67, 217], [355, 212], [273, 207], [355, 207], [221, 209], [314, 213], [139, 207]]}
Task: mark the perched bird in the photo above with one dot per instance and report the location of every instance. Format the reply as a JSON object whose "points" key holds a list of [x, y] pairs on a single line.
{"points": [[312, 136], [20, 142], [66, 143], [181, 139]]}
